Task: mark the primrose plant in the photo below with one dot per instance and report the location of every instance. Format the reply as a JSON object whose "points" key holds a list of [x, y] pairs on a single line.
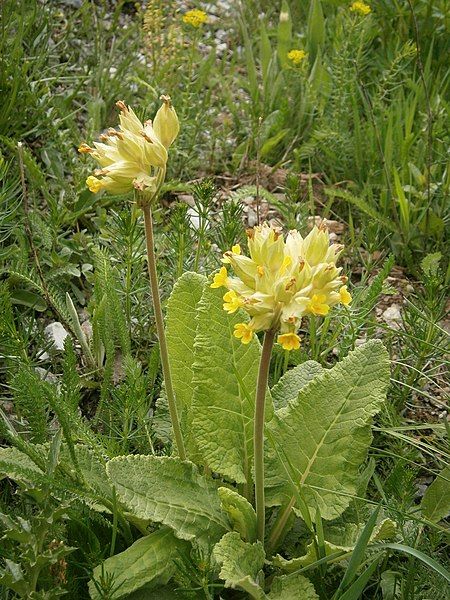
{"points": [[265, 487], [250, 462]]}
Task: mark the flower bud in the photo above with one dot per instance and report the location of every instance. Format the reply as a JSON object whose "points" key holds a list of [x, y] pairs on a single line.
{"points": [[166, 124]]}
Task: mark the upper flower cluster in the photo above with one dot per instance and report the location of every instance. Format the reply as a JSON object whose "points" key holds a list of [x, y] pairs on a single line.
{"points": [[195, 17], [128, 156], [361, 8], [296, 56], [282, 281]]}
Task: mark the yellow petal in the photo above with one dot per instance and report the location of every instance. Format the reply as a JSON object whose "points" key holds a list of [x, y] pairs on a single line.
{"points": [[94, 184], [166, 124], [345, 296], [220, 278], [289, 341], [243, 332]]}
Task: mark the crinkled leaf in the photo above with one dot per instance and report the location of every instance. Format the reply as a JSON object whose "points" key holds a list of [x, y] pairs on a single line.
{"points": [[241, 513], [18, 466], [318, 442], [436, 500], [225, 374], [292, 587], [384, 530], [92, 469], [180, 332], [288, 386], [170, 491], [149, 562], [240, 563]]}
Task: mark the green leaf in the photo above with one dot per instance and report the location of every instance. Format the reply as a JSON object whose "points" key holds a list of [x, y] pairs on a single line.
{"points": [[27, 298], [364, 207], [18, 466], [359, 551], [284, 33], [170, 491], [288, 386], [240, 563], [265, 51], [273, 142], [384, 530], [318, 442], [225, 374], [148, 561], [436, 500], [93, 472], [292, 587], [356, 589], [167, 592], [241, 513], [316, 28], [180, 333], [427, 560]]}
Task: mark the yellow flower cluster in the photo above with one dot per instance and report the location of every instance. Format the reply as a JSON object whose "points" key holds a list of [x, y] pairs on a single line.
{"points": [[361, 8], [282, 281], [296, 56], [129, 156], [195, 17]]}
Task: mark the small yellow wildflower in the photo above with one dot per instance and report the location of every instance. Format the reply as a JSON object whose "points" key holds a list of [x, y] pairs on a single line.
{"points": [[220, 278], [236, 249], [296, 56], [195, 17], [318, 305], [243, 332], [289, 341], [361, 8], [345, 296], [94, 184], [232, 302]]}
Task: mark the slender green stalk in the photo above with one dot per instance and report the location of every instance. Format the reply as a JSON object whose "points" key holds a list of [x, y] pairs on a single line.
{"points": [[279, 526], [258, 431], [153, 275]]}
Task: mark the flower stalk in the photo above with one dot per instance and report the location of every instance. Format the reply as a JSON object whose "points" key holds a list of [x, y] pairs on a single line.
{"points": [[135, 158], [258, 431], [159, 320]]}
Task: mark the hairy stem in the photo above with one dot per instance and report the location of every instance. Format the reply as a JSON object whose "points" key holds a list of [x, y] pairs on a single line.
{"points": [[258, 431], [152, 272]]}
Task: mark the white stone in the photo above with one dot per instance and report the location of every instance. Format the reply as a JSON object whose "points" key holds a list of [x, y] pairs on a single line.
{"points": [[57, 334], [392, 315]]}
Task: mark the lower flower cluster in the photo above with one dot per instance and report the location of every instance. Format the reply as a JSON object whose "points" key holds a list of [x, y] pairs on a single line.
{"points": [[282, 281]]}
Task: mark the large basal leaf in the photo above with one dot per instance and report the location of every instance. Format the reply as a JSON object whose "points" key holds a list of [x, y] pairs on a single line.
{"points": [[288, 386], [170, 491], [225, 373], [436, 500], [92, 469], [18, 466], [149, 562], [292, 587], [180, 333], [385, 529], [240, 563], [318, 442]]}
